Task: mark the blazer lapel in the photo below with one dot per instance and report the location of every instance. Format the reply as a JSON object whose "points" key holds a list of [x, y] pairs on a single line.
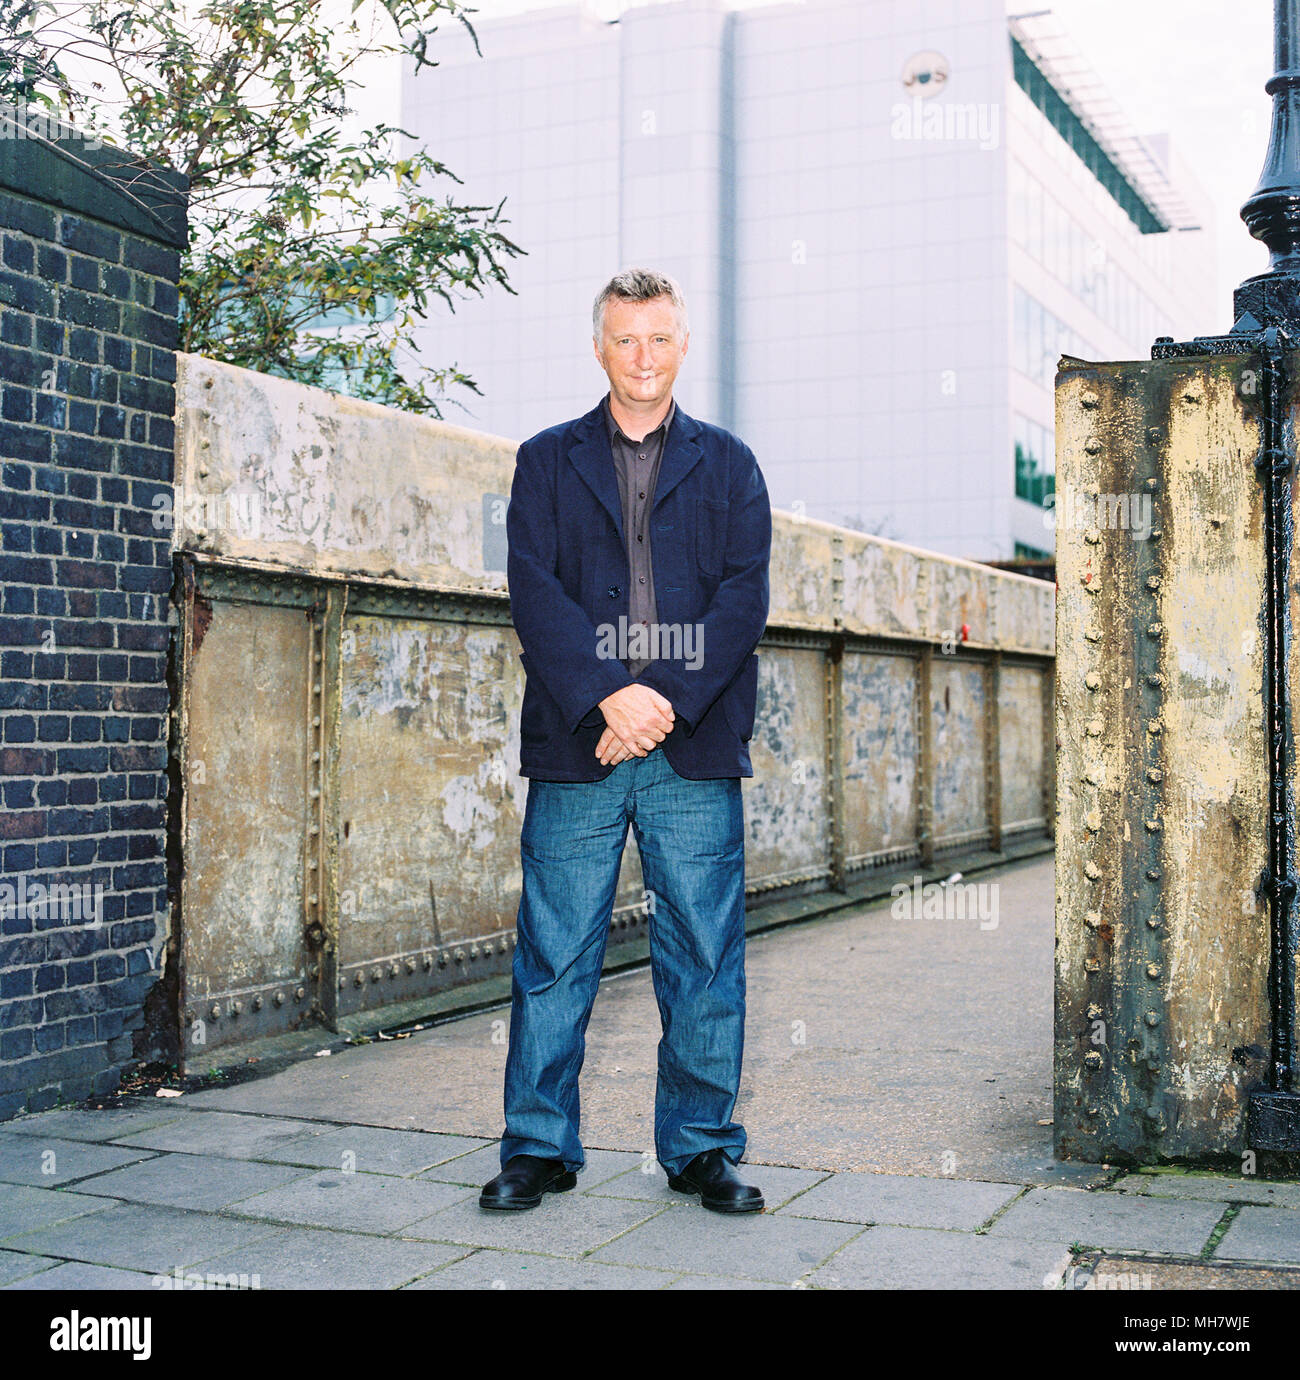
{"points": [[593, 458]]}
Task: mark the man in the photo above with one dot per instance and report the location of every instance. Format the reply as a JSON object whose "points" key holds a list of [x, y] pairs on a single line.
{"points": [[638, 542]]}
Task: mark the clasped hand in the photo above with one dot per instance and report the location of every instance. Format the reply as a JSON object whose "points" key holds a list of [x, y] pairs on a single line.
{"points": [[637, 720]]}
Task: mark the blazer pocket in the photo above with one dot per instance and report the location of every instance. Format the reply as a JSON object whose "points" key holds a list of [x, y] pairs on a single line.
{"points": [[711, 536], [740, 700]]}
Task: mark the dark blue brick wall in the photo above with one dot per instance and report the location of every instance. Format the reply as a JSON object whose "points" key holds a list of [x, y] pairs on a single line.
{"points": [[88, 334]]}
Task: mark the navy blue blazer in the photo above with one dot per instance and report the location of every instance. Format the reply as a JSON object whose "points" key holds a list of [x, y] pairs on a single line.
{"points": [[567, 572]]}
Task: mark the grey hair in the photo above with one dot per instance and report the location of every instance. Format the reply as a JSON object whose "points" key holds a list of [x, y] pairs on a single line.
{"points": [[637, 285]]}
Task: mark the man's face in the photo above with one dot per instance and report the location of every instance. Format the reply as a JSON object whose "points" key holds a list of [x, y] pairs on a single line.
{"points": [[641, 350]]}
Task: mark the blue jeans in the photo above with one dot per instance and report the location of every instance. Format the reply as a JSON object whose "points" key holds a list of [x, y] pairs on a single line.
{"points": [[691, 837]]}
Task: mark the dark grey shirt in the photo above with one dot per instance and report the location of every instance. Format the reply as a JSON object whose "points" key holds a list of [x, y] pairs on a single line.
{"points": [[636, 463]]}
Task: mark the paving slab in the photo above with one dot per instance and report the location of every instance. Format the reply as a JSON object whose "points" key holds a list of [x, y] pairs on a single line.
{"points": [[204, 1183], [46, 1161], [1116, 1273], [373, 1203], [308, 1258], [491, 1269], [77, 1274], [567, 1224], [778, 1185], [475, 1169], [903, 1200], [923, 1258], [23, 1208], [17, 1265], [1110, 1220], [1261, 1233], [221, 1133], [79, 1123], [757, 1245], [480, 1165], [371, 1149], [139, 1236], [724, 1282], [1223, 1188]]}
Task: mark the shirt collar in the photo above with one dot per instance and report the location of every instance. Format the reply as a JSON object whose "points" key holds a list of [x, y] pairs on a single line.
{"points": [[614, 429]]}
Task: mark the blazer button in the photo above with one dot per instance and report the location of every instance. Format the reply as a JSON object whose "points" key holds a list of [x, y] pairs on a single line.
{"points": [[614, 591]]}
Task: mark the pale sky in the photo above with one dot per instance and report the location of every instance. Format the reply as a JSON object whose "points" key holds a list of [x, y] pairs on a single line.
{"points": [[1192, 68]]}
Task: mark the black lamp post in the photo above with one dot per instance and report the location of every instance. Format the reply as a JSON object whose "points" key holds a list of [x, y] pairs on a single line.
{"points": [[1270, 303]]}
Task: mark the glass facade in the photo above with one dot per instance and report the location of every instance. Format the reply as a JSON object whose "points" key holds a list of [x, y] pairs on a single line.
{"points": [[1035, 449]]}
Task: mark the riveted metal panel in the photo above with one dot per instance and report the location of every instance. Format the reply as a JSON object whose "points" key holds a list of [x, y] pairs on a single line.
{"points": [[787, 799], [880, 759], [246, 784], [957, 706], [1161, 771], [1024, 752]]}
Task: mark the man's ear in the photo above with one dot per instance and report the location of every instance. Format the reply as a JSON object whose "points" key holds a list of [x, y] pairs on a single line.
{"points": [[686, 343], [595, 349]]}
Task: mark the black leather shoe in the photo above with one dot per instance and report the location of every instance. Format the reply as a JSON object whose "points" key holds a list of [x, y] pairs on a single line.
{"points": [[712, 1175], [523, 1181]]}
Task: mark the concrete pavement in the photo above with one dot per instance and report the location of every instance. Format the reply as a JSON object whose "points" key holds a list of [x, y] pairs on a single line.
{"points": [[897, 1096]]}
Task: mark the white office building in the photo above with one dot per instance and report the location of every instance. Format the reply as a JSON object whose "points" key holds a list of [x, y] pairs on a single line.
{"points": [[889, 218]]}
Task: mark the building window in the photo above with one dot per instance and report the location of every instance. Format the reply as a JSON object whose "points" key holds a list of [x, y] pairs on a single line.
{"points": [[1035, 457]]}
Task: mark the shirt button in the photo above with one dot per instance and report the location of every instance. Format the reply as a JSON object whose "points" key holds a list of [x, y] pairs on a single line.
{"points": [[641, 495], [642, 455], [642, 579], [639, 537]]}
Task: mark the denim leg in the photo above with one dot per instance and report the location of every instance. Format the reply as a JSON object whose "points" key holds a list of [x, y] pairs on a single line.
{"points": [[691, 836], [571, 845]]}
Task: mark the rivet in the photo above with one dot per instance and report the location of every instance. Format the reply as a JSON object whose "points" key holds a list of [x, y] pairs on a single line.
{"points": [[1155, 678], [428, 962], [1092, 634], [257, 1002], [278, 999], [1153, 581], [1191, 397], [1155, 774], [459, 955], [1094, 728], [1092, 1060], [1153, 970], [1094, 1111], [1154, 922], [1155, 629], [473, 951], [1153, 435], [358, 981], [1088, 400], [410, 965], [1094, 1012], [299, 993], [1093, 919], [1153, 874], [1154, 726], [1153, 484], [1092, 965], [1156, 533], [1092, 680], [1091, 870], [393, 970], [1092, 445], [1092, 537], [215, 1013], [1152, 826], [1092, 776], [1152, 1018], [376, 974]]}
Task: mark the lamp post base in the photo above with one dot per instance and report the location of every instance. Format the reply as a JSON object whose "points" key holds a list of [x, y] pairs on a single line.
{"points": [[1273, 1121]]}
